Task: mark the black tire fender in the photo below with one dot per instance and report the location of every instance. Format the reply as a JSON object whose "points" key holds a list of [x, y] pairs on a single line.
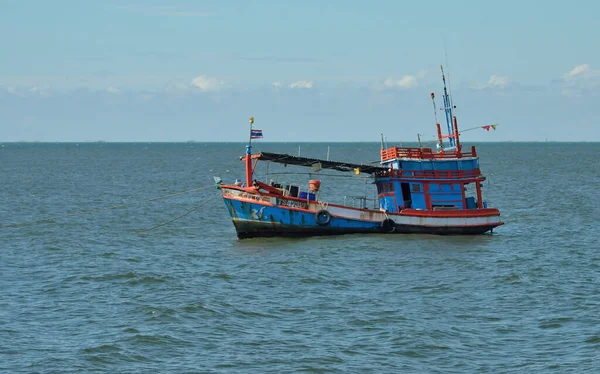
{"points": [[323, 217], [388, 225]]}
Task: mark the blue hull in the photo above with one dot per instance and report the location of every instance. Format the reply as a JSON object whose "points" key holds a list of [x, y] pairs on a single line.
{"points": [[258, 220]]}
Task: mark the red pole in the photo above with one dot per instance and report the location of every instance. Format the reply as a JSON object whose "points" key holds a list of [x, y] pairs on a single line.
{"points": [[439, 131], [479, 202], [456, 136], [249, 157], [248, 166]]}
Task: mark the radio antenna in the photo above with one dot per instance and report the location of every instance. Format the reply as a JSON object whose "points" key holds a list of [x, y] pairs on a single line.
{"points": [[448, 70]]}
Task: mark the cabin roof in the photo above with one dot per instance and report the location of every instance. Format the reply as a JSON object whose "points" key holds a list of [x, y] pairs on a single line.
{"points": [[396, 152], [286, 159]]}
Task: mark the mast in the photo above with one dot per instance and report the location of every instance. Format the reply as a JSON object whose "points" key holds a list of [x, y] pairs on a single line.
{"points": [[448, 111], [249, 156]]}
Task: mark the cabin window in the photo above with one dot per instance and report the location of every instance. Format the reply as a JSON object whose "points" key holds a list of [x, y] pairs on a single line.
{"points": [[385, 187]]}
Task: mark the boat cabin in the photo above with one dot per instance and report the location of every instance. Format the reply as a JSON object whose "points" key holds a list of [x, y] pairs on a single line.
{"points": [[419, 178]]}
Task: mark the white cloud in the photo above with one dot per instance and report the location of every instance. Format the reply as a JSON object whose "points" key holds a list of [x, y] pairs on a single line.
{"points": [[112, 89], [404, 82], [276, 85], [178, 13], [10, 89], [407, 81], [579, 80], [41, 91], [206, 84], [496, 81], [577, 71], [178, 88], [302, 84]]}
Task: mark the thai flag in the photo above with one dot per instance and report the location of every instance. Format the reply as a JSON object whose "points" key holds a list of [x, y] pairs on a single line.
{"points": [[256, 134]]}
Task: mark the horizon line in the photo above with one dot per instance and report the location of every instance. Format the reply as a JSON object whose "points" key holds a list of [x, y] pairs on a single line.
{"points": [[272, 141]]}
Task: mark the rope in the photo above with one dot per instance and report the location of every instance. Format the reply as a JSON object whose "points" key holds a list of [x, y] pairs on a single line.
{"points": [[460, 133], [181, 216], [102, 209]]}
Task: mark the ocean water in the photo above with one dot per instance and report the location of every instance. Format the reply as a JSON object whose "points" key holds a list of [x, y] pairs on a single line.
{"points": [[93, 293]]}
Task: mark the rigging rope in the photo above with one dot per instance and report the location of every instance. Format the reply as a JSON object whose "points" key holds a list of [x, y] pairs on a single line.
{"points": [[102, 209], [178, 217]]}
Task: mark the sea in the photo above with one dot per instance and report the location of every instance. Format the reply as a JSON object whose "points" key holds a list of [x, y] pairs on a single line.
{"points": [[122, 258]]}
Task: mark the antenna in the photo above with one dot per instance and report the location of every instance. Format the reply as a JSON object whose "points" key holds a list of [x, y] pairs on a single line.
{"points": [[448, 69], [434, 108]]}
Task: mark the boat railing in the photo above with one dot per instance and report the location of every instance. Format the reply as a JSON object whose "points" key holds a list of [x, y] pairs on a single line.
{"points": [[431, 174], [422, 153], [361, 202]]}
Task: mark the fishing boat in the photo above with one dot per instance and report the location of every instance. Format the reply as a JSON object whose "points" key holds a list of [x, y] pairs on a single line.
{"points": [[419, 190]]}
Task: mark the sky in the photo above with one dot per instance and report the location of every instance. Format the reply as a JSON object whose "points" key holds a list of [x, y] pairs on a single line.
{"points": [[311, 70]]}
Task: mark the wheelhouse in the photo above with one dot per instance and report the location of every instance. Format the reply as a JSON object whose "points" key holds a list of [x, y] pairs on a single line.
{"points": [[419, 178]]}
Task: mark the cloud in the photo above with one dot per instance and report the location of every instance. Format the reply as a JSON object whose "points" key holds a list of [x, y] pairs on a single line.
{"points": [[578, 70], [281, 59], [41, 91], [276, 85], [407, 81], [580, 80], [179, 13], [112, 89], [496, 81], [207, 84], [302, 84], [10, 89], [177, 88], [404, 82]]}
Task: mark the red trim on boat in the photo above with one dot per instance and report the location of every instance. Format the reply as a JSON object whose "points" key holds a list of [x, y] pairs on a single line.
{"points": [[467, 213]]}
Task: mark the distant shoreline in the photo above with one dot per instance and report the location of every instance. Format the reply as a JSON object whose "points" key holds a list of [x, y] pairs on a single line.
{"points": [[391, 142]]}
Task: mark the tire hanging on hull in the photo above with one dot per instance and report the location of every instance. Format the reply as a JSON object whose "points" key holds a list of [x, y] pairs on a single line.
{"points": [[323, 217], [388, 225]]}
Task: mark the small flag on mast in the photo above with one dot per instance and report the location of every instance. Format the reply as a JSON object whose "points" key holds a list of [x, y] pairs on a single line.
{"points": [[256, 134], [487, 127]]}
